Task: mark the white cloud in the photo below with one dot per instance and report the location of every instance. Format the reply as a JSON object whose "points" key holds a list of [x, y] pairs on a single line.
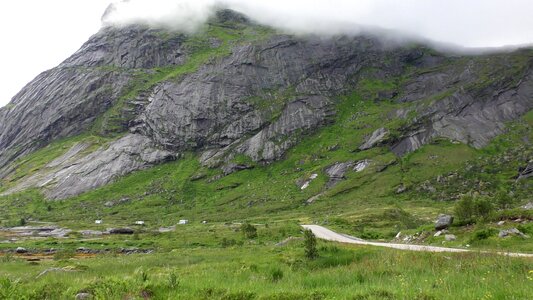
{"points": [[185, 15], [472, 23], [37, 35]]}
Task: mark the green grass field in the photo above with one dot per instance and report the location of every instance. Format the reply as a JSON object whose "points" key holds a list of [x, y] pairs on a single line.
{"points": [[256, 269]]}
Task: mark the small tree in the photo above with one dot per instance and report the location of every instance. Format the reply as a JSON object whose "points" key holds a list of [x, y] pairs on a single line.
{"points": [[464, 208], [483, 207], [503, 200], [249, 231], [311, 251]]}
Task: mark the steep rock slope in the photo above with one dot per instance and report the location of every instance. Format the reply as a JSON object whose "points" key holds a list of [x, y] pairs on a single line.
{"points": [[236, 89]]}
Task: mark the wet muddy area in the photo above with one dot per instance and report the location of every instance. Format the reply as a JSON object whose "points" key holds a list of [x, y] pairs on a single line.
{"points": [[17, 236]]}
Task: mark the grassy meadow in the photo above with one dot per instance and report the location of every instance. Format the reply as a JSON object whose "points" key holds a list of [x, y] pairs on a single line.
{"points": [[218, 262]]}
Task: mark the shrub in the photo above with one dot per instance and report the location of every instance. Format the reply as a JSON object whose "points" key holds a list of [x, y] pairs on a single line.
{"points": [[503, 200], [311, 251], [464, 209], [483, 207], [249, 231], [527, 229], [371, 235], [227, 242], [469, 208], [482, 234]]}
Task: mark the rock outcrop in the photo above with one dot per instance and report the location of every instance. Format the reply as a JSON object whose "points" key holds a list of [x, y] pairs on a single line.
{"points": [[74, 172], [376, 138], [336, 172], [526, 172]]}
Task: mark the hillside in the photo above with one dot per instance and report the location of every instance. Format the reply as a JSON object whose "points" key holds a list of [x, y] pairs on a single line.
{"points": [[238, 96], [242, 123]]}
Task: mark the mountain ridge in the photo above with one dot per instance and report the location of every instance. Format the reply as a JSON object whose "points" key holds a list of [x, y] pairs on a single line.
{"points": [[240, 89]]}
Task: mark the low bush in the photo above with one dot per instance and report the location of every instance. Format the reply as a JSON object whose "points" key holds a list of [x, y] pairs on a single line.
{"points": [[483, 234], [249, 231], [469, 209]]}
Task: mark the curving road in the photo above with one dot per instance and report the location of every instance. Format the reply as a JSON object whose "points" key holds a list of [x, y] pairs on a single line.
{"points": [[329, 235]]}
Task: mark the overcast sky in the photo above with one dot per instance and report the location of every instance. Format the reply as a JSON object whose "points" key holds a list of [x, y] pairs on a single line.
{"points": [[37, 35]]}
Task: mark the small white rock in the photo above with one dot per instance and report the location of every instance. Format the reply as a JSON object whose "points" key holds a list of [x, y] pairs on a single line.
{"points": [[450, 237], [305, 185]]}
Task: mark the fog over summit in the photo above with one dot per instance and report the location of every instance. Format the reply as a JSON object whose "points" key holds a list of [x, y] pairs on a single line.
{"points": [[474, 23]]}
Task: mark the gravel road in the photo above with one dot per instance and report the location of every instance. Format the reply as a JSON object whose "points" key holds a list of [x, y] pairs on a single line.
{"points": [[329, 235]]}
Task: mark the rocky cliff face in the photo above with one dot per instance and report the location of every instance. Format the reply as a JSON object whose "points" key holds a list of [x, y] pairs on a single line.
{"points": [[240, 89]]}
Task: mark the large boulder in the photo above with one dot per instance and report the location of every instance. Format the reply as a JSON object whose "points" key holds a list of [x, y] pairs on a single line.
{"points": [[510, 232], [443, 222], [21, 250]]}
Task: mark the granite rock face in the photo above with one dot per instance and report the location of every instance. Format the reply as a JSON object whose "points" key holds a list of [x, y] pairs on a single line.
{"points": [[470, 114], [59, 103], [76, 172], [212, 109], [256, 101]]}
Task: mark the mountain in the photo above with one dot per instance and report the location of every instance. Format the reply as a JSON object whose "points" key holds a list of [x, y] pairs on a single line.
{"points": [[238, 96]]}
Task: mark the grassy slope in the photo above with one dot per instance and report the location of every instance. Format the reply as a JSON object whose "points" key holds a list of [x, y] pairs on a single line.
{"points": [[364, 205]]}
